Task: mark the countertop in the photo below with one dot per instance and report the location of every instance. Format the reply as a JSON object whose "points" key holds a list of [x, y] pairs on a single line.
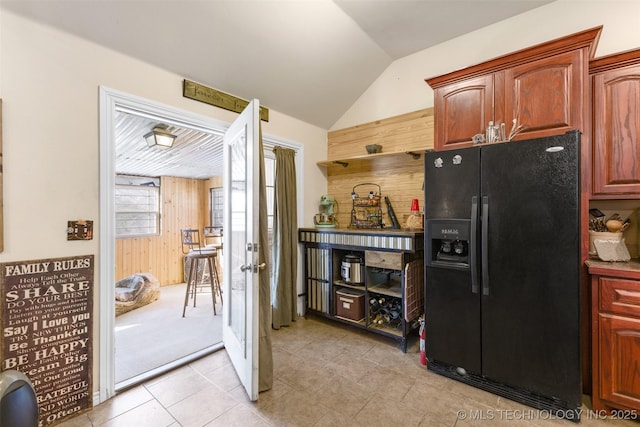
{"points": [[370, 231], [629, 269], [381, 238]]}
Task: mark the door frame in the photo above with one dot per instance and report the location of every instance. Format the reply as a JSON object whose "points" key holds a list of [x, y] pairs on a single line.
{"points": [[111, 101]]}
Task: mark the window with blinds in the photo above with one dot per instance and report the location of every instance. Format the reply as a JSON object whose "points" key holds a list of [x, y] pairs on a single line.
{"points": [[137, 205]]}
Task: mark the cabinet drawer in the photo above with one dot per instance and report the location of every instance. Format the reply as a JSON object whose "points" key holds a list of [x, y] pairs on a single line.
{"points": [[391, 260], [620, 296]]}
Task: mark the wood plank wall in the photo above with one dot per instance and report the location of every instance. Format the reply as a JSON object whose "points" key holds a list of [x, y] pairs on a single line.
{"points": [[185, 204], [406, 132], [1, 186], [399, 176]]}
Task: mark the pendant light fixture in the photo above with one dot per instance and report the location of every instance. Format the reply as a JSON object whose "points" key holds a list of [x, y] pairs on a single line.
{"points": [[159, 136]]}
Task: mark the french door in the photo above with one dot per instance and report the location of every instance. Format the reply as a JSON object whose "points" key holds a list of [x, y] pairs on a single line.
{"points": [[240, 328]]}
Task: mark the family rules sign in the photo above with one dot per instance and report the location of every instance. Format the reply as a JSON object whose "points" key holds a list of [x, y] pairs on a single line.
{"points": [[47, 331]]}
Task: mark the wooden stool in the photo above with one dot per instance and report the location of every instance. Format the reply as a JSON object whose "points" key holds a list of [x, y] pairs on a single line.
{"points": [[196, 280]]}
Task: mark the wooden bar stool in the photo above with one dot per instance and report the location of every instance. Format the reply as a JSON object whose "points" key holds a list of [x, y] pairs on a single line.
{"points": [[212, 237], [194, 252]]}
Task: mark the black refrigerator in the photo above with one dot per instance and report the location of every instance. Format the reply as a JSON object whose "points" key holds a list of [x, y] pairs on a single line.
{"points": [[502, 256]]}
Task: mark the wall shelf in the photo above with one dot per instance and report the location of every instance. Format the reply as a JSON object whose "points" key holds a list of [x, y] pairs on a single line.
{"points": [[416, 155]]}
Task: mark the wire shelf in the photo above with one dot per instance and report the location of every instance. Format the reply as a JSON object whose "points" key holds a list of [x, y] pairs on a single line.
{"points": [[366, 212]]}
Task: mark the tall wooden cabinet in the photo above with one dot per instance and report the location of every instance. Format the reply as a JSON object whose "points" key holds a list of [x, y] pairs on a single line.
{"points": [[616, 125], [615, 287], [544, 87]]}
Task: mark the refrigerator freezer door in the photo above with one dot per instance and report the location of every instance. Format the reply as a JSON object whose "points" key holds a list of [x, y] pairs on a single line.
{"points": [[452, 309], [452, 320], [451, 179], [531, 313]]}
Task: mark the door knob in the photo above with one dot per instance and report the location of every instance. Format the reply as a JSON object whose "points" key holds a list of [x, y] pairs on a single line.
{"points": [[255, 268]]}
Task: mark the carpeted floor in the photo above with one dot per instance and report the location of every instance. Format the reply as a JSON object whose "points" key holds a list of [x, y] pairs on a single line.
{"points": [[156, 334]]}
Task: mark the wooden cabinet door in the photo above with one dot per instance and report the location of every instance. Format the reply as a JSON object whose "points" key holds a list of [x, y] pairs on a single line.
{"points": [[545, 87], [616, 153], [462, 110], [619, 350], [547, 96]]}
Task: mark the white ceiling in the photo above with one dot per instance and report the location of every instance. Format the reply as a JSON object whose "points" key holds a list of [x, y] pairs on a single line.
{"points": [[194, 154], [309, 59]]}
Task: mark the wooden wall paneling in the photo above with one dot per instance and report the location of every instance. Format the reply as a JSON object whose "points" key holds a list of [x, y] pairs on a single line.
{"points": [[149, 255], [204, 205], [1, 188], [400, 178], [181, 207], [119, 249], [407, 132], [174, 193]]}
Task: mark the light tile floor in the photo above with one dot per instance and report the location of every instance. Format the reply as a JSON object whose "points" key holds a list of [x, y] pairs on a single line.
{"points": [[325, 374]]}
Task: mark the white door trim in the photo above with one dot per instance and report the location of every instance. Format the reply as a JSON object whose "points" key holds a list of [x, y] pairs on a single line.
{"points": [[111, 101]]}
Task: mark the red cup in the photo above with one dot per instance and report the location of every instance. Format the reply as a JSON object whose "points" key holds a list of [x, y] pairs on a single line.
{"points": [[414, 206]]}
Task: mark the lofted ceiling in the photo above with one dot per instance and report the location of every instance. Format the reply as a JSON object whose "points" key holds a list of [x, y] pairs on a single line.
{"points": [[309, 59]]}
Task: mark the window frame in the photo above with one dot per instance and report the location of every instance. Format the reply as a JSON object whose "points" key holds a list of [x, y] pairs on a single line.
{"points": [[216, 207], [152, 186]]}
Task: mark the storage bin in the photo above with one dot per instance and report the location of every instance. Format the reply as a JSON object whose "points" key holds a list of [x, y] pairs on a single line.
{"points": [[350, 304]]}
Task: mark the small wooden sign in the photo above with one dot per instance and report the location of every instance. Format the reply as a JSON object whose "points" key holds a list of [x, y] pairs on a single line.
{"points": [[212, 96]]}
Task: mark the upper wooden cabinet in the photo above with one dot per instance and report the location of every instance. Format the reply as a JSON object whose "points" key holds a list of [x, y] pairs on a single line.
{"points": [[548, 96], [616, 125], [544, 87], [464, 109]]}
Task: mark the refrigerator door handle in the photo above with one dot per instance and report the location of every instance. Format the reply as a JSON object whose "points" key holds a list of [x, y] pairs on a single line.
{"points": [[485, 245], [472, 245]]}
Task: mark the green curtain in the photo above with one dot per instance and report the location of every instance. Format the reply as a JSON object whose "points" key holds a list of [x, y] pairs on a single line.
{"points": [[285, 240], [265, 355]]}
